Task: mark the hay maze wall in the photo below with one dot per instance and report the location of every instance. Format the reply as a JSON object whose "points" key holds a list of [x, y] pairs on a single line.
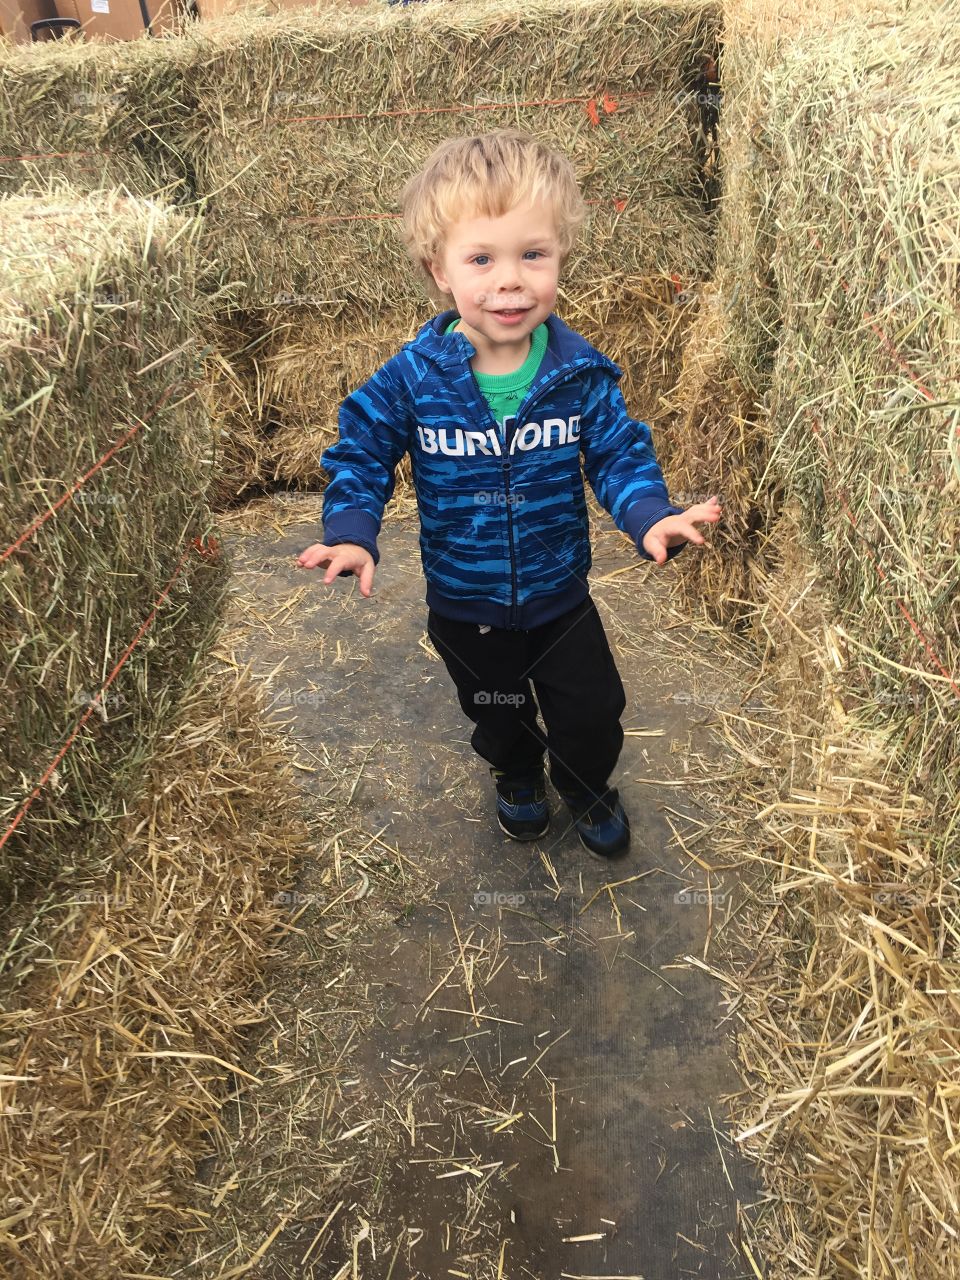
{"points": [[294, 135], [819, 393], [106, 467], [822, 386], [166, 362]]}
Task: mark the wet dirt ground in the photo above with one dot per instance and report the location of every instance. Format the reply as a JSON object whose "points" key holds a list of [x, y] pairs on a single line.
{"points": [[540, 1068]]}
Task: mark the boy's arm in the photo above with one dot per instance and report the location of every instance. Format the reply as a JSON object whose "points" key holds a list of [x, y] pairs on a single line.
{"points": [[373, 434], [621, 465]]}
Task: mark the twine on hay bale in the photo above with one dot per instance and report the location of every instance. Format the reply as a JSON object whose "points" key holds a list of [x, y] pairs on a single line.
{"points": [[106, 460], [307, 179], [94, 116]]}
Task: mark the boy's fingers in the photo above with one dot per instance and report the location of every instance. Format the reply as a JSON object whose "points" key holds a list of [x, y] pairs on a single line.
{"points": [[313, 556], [657, 548], [366, 578]]}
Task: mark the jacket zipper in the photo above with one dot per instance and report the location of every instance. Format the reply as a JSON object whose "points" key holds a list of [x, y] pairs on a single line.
{"points": [[557, 376]]}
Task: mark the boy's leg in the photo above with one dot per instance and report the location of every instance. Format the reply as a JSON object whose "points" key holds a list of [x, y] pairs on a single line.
{"points": [[581, 699], [487, 671]]}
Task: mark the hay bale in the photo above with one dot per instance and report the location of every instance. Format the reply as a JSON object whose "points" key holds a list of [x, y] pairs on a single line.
{"points": [[756, 38], [152, 968], [844, 329], [716, 440], [307, 126], [106, 461], [305, 393], [296, 207], [866, 383], [93, 116], [243, 422], [846, 1012]]}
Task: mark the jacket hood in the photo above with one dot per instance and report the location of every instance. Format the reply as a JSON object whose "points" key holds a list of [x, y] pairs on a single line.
{"points": [[565, 347]]}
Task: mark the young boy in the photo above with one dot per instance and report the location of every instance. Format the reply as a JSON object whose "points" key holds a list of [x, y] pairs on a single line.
{"points": [[495, 400]]}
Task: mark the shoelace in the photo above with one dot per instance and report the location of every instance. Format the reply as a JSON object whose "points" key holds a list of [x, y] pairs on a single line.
{"points": [[515, 795]]}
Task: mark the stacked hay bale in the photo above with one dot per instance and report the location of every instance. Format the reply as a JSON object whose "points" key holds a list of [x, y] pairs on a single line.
{"points": [[308, 125], [106, 117], [96, 115], [834, 366], [719, 434], [295, 134], [110, 584], [125, 1007]]}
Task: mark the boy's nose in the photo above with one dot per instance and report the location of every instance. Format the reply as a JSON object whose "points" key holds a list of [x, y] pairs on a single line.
{"points": [[509, 288], [511, 279]]}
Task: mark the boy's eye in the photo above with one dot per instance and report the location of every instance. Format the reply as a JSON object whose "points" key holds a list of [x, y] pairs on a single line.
{"points": [[481, 259]]}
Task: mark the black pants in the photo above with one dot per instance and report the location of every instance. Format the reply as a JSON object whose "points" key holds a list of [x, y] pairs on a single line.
{"points": [[578, 688]]}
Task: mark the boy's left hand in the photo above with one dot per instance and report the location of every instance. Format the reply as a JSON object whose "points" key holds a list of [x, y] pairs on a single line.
{"points": [[682, 528]]}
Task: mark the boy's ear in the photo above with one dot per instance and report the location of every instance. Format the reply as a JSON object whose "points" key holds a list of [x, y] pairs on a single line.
{"points": [[436, 270]]}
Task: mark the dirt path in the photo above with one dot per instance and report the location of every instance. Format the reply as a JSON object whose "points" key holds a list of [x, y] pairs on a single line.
{"points": [[523, 1057]]}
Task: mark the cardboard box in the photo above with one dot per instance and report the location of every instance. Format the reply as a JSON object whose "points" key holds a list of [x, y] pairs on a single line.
{"points": [[122, 19], [98, 19], [17, 15]]}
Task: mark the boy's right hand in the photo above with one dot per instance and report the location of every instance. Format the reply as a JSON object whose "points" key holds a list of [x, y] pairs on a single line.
{"points": [[343, 557]]}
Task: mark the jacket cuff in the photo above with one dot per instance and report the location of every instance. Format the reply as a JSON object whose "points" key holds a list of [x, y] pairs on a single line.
{"points": [[642, 515], [355, 526]]}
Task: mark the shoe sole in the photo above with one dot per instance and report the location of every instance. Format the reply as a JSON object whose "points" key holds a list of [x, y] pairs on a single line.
{"points": [[530, 835]]}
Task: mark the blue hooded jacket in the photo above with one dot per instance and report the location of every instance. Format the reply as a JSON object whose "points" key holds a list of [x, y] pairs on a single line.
{"points": [[504, 530]]}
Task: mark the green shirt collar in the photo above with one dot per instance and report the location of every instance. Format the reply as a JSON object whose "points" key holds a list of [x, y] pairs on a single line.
{"points": [[521, 377]]}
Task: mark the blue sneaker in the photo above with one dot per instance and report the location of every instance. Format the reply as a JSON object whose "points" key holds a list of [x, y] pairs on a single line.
{"points": [[522, 805], [602, 823]]}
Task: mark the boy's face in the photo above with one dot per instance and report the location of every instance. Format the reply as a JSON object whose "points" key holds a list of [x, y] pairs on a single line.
{"points": [[503, 275]]}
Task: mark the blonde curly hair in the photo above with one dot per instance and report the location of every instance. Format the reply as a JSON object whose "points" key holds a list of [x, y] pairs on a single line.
{"points": [[486, 175]]}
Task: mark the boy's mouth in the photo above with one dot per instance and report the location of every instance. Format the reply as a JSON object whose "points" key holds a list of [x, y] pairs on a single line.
{"points": [[511, 314]]}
